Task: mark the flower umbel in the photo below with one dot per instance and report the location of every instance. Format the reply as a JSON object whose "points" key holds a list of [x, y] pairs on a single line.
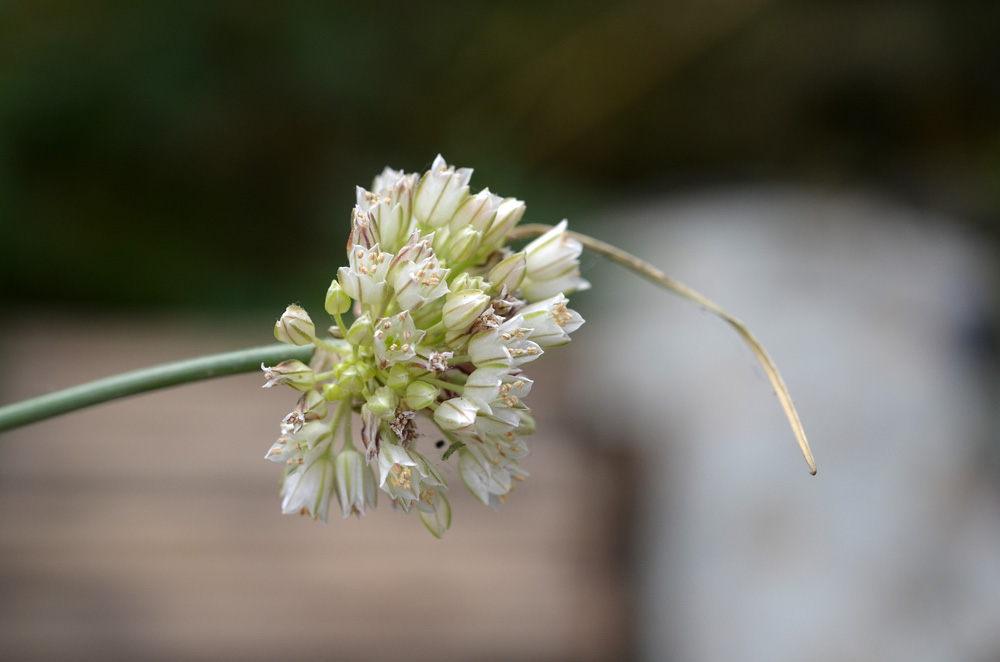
{"points": [[444, 316]]}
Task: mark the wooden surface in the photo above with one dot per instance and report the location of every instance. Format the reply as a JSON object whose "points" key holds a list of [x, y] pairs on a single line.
{"points": [[150, 529]]}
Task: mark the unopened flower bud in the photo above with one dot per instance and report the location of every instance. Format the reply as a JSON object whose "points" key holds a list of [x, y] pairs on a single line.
{"points": [[552, 265], [382, 403], [526, 426], [333, 392], [439, 241], [461, 309], [293, 373], [295, 327], [440, 193], [337, 301], [365, 370], [362, 331], [399, 377], [462, 245], [420, 394], [508, 214], [508, 273], [477, 211], [463, 281], [455, 414], [351, 382]]}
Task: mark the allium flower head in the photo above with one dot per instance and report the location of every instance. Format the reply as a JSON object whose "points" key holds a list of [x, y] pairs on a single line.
{"points": [[443, 315]]}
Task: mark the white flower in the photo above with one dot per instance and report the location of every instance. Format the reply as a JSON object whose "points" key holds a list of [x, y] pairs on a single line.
{"points": [[438, 520], [502, 420], [355, 481], [382, 216], [482, 388], [417, 283], [307, 488], [310, 407], [409, 479], [508, 345], [364, 279], [551, 321], [552, 265], [295, 373], [396, 339], [440, 193], [291, 448], [488, 469]]}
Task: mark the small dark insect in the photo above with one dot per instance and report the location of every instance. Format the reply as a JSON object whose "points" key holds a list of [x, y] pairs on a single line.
{"points": [[439, 444]]}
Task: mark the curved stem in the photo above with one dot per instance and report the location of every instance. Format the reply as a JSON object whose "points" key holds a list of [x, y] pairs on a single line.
{"points": [[651, 273], [147, 379]]}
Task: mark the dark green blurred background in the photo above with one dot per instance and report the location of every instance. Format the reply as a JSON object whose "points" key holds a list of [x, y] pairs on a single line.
{"points": [[203, 155]]}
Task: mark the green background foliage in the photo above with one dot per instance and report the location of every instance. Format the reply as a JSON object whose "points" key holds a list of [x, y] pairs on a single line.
{"points": [[204, 154]]}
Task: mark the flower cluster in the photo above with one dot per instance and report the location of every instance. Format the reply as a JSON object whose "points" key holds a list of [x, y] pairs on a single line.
{"points": [[444, 316]]}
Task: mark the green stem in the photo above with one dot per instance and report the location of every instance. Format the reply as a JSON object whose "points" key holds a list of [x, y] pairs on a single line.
{"points": [[348, 440], [651, 273], [457, 388], [147, 379]]}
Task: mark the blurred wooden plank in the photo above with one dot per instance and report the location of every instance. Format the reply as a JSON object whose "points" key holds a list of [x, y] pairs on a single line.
{"points": [[150, 528]]}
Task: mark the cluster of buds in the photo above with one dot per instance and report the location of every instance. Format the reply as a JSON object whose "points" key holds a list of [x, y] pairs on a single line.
{"points": [[443, 317]]}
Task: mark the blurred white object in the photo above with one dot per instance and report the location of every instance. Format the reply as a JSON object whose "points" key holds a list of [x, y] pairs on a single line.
{"points": [[892, 552]]}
